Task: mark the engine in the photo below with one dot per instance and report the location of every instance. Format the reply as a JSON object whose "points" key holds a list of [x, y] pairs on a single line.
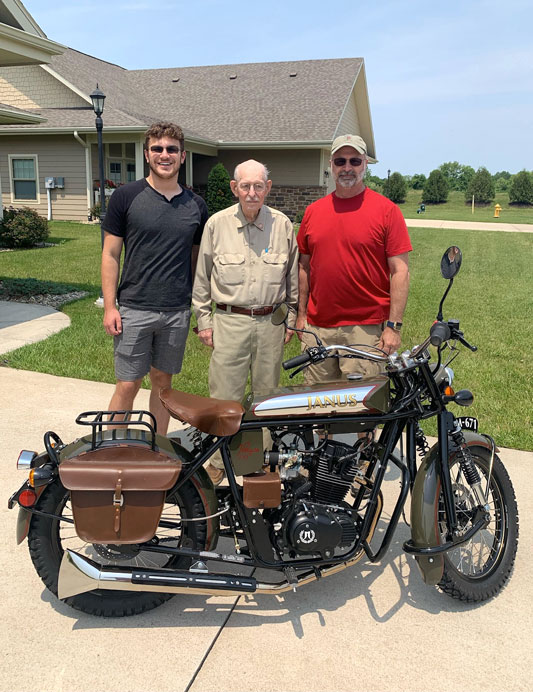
{"points": [[313, 518]]}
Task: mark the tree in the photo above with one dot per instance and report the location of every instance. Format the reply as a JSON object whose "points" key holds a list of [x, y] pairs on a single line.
{"points": [[219, 194], [521, 190], [457, 176], [395, 188], [417, 181], [481, 186], [452, 172], [502, 181], [374, 182], [435, 188], [466, 176]]}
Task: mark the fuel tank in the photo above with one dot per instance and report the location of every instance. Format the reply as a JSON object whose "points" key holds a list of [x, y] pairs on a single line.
{"points": [[370, 395]]}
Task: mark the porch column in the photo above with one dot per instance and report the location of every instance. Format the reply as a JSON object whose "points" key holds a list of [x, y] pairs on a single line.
{"points": [[139, 159], [188, 169]]}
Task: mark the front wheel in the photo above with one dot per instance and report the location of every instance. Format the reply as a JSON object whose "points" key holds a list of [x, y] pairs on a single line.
{"points": [[49, 538], [480, 568]]}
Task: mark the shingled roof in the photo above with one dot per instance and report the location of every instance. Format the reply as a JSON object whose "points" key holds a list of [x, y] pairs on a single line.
{"points": [[298, 101]]}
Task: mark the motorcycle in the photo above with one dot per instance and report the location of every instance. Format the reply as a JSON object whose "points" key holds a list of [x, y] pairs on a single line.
{"points": [[121, 519]]}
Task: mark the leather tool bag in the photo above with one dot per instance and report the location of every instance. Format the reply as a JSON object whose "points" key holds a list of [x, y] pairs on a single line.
{"points": [[118, 493], [261, 490]]}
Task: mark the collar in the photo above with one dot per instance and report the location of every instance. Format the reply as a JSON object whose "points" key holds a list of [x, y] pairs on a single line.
{"points": [[259, 221]]}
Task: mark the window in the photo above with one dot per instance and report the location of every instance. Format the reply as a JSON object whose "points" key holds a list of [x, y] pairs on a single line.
{"points": [[115, 172], [24, 177], [120, 162]]}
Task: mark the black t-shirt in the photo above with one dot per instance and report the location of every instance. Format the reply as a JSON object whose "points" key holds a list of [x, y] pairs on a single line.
{"points": [[158, 238]]}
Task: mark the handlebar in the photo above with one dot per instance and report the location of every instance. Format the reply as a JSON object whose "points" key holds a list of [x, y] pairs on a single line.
{"points": [[296, 361], [438, 333]]}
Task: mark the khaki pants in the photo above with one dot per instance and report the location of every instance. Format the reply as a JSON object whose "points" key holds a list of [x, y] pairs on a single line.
{"points": [[333, 369], [243, 345]]}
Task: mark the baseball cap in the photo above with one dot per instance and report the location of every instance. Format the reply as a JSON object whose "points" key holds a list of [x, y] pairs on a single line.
{"points": [[353, 141]]}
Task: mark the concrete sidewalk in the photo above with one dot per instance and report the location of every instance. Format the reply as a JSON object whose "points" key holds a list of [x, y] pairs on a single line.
{"points": [[27, 323], [371, 627], [424, 222]]}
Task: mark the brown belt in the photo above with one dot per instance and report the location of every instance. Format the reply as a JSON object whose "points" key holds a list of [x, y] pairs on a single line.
{"points": [[251, 312]]}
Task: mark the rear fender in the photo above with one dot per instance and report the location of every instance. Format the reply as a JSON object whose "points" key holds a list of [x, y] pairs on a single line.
{"points": [[424, 504], [25, 516]]}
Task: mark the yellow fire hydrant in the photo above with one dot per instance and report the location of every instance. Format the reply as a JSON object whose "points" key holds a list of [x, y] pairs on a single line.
{"points": [[497, 210]]}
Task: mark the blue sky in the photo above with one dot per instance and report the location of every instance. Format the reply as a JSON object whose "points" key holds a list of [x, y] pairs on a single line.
{"points": [[448, 81]]}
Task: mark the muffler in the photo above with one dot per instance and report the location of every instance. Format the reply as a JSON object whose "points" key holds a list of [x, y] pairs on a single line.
{"points": [[79, 574]]}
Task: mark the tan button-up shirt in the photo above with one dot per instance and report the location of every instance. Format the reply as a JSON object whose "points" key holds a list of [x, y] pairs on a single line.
{"points": [[245, 264]]}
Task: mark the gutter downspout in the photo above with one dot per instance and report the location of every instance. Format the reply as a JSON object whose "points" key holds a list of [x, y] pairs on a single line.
{"points": [[88, 169]]}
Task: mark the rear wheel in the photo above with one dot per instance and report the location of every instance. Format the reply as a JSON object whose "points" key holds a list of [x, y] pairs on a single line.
{"points": [[480, 568], [49, 538]]}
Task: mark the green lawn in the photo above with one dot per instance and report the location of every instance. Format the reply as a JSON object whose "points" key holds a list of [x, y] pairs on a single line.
{"points": [[455, 209], [491, 296]]}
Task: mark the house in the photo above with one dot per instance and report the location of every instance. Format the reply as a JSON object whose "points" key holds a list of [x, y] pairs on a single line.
{"points": [[285, 114]]}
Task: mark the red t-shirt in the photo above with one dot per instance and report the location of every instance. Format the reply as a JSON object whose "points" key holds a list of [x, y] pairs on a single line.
{"points": [[349, 241]]}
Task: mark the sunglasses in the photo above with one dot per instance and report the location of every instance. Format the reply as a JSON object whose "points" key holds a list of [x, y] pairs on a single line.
{"points": [[157, 149], [340, 161]]}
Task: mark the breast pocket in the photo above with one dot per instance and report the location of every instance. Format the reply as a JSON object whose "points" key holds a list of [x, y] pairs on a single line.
{"points": [[275, 267], [231, 269]]}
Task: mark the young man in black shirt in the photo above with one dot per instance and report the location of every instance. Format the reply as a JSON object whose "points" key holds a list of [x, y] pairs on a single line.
{"points": [[160, 225]]}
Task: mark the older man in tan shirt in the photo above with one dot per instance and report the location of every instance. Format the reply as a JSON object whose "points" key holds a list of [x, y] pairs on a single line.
{"points": [[248, 262]]}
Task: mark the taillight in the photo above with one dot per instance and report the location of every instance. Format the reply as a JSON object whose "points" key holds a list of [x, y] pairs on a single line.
{"points": [[27, 498]]}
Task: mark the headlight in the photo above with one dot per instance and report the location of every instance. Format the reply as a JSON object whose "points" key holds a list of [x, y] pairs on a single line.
{"points": [[449, 375]]}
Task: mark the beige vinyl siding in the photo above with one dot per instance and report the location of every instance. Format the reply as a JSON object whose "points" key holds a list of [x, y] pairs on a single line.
{"points": [[349, 122], [287, 167], [56, 156], [32, 87]]}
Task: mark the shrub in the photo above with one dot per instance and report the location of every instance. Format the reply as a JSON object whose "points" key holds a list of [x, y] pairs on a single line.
{"points": [[96, 211], [417, 182], [481, 186], [521, 191], [374, 182], [298, 217], [435, 189], [23, 228], [395, 188], [219, 195]]}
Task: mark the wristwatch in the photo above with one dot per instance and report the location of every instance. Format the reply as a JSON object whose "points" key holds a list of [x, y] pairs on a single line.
{"points": [[394, 325]]}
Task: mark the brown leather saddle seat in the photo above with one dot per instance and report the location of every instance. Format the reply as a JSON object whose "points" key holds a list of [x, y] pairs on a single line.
{"points": [[212, 416]]}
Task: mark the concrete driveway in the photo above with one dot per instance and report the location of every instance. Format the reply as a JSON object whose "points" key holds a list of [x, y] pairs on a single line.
{"points": [[371, 627]]}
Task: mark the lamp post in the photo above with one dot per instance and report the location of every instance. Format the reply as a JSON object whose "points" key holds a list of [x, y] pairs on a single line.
{"points": [[98, 98]]}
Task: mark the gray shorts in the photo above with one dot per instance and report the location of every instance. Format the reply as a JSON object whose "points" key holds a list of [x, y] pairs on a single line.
{"points": [[150, 338]]}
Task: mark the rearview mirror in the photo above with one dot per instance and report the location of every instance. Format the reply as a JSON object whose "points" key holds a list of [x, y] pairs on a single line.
{"points": [[451, 262]]}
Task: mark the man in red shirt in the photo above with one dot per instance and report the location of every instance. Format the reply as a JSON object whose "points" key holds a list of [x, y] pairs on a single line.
{"points": [[353, 267]]}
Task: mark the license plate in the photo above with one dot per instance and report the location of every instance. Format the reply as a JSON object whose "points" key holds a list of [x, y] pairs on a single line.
{"points": [[468, 423]]}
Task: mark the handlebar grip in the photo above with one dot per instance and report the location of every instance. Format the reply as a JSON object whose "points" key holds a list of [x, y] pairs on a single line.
{"points": [[296, 361], [438, 333]]}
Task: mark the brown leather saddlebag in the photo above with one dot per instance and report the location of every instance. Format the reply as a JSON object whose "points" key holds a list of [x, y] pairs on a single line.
{"points": [[118, 493], [261, 490]]}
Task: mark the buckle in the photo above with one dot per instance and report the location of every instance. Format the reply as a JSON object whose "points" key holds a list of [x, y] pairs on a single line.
{"points": [[118, 501]]}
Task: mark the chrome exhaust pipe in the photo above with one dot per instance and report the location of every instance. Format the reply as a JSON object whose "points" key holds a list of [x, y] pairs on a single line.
{"points": [[79, 574]]}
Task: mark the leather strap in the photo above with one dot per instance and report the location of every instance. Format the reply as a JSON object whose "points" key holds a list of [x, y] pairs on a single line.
{"points": [[118, 501], [251, 312]]}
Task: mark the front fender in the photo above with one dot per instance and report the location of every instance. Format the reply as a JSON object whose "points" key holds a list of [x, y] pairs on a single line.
{"points": [[425, 501]]}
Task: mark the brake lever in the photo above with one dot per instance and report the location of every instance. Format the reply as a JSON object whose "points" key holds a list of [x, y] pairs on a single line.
{"points": [[463, 341]]}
